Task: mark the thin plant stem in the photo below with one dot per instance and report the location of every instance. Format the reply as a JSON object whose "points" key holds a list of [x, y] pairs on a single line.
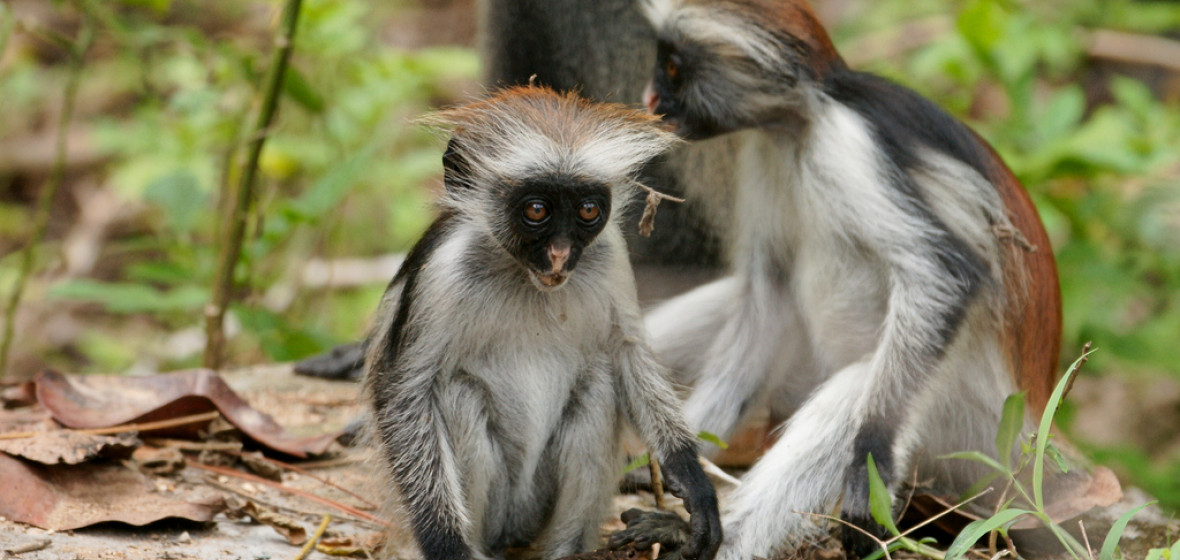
{"points": [[657, 480], [77, 51], [315, 538], [235, 217]]}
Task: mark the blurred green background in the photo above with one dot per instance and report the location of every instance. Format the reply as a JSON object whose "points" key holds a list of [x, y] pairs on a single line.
{"points": [[1081, 98]]}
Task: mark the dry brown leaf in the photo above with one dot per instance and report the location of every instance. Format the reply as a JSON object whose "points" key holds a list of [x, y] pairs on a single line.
{"points": [[17, 395], [66, 497], [261, 467], [286, 526], [70, 448], [97, 401], [361, 545], [159, 460]]}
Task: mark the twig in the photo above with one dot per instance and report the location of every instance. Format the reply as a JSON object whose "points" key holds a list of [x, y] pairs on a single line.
{"points": [[77, 51], [647, 222], [308, 474], [211, 480], [657, 480], [883, 544], [7, 24], [294, 491], [143, 427], [655, 550], [185, 445], [943, 513], [235, 228], [315, 538], [32, 546], [1081, 362], [1134, 48], [1086, 539]]}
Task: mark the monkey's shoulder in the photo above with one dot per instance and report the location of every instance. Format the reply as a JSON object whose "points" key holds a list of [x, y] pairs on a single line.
{"points": [[905, 122]]}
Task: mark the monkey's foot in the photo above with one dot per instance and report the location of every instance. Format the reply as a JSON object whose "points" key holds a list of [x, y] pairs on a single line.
{"points": [[345, 362], [645, 528]]}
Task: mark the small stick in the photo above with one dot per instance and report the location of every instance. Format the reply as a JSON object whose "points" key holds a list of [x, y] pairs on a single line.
{"points": [[304, 472], [657, 480], [655, 551], [1086, 539], [1081, 362], [314, 538], [144, 427], [295, 491]]}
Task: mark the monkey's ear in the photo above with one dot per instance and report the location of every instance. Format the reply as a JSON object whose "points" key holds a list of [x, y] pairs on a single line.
{"points": [[454, 168]]}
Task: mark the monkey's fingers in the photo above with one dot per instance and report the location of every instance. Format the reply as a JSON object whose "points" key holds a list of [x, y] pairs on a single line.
{"points": [[705, 538], [645, 528]]}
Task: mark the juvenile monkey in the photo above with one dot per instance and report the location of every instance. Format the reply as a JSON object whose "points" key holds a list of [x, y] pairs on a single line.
{"points": [[891, 282], [509, 350]]}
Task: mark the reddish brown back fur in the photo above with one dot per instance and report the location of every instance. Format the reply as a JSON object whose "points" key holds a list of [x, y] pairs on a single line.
{"points": [[1032, 337], [796, 18]]}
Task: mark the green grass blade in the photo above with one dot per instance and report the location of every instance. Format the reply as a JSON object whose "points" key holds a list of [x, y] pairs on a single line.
{"points": [[713, 439], [1155, 554], [978, 457], [1175, 551], [977, 529], [1111, 544], [640, 461], [1043, 430], [880, 502], [1011, 422]]}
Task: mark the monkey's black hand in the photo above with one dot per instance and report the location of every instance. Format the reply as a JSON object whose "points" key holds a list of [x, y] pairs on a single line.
{"points": [[686, 479], [645, 528]]}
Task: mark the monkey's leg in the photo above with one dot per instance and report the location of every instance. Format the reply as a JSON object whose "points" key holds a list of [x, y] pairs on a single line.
{"points": [[681, 327], [586, 459], [421, 460], [803, 472], [732, 337]]}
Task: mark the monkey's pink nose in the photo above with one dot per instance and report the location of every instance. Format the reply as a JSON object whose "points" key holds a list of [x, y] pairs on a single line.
{"points": [[650, 98], [558, 254]]}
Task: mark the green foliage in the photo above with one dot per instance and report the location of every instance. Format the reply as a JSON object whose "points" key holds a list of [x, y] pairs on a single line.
{"points": [[880, 501], [1034, 497], [713, 439], [342, 173], [640, 461], [1110, 545]]}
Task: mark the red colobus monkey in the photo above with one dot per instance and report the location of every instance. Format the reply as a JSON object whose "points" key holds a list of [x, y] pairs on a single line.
{"points": [[891, 282], [509, 350]]}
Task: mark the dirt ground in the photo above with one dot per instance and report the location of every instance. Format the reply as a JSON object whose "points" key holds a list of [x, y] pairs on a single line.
{"points": [[306, 406]]}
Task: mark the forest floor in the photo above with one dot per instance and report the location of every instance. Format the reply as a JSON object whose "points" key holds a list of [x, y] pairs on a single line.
{"points": [[292, 503]]}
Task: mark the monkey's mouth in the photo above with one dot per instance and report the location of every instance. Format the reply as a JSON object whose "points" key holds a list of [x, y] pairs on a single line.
{"points": [[548, 281]]}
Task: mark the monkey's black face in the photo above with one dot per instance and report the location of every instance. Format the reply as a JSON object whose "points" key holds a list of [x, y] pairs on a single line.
{"points": [[551, 220], [675, 92], [705, 91]]}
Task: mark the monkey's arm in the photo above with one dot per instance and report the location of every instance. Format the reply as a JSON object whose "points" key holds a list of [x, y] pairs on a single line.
{"points": [[420, 460], [654, 411]]}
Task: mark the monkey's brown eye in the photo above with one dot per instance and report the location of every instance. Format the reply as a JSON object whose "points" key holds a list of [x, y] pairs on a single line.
{"points": [[535, 212], [589, 211], [671, 68]]}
